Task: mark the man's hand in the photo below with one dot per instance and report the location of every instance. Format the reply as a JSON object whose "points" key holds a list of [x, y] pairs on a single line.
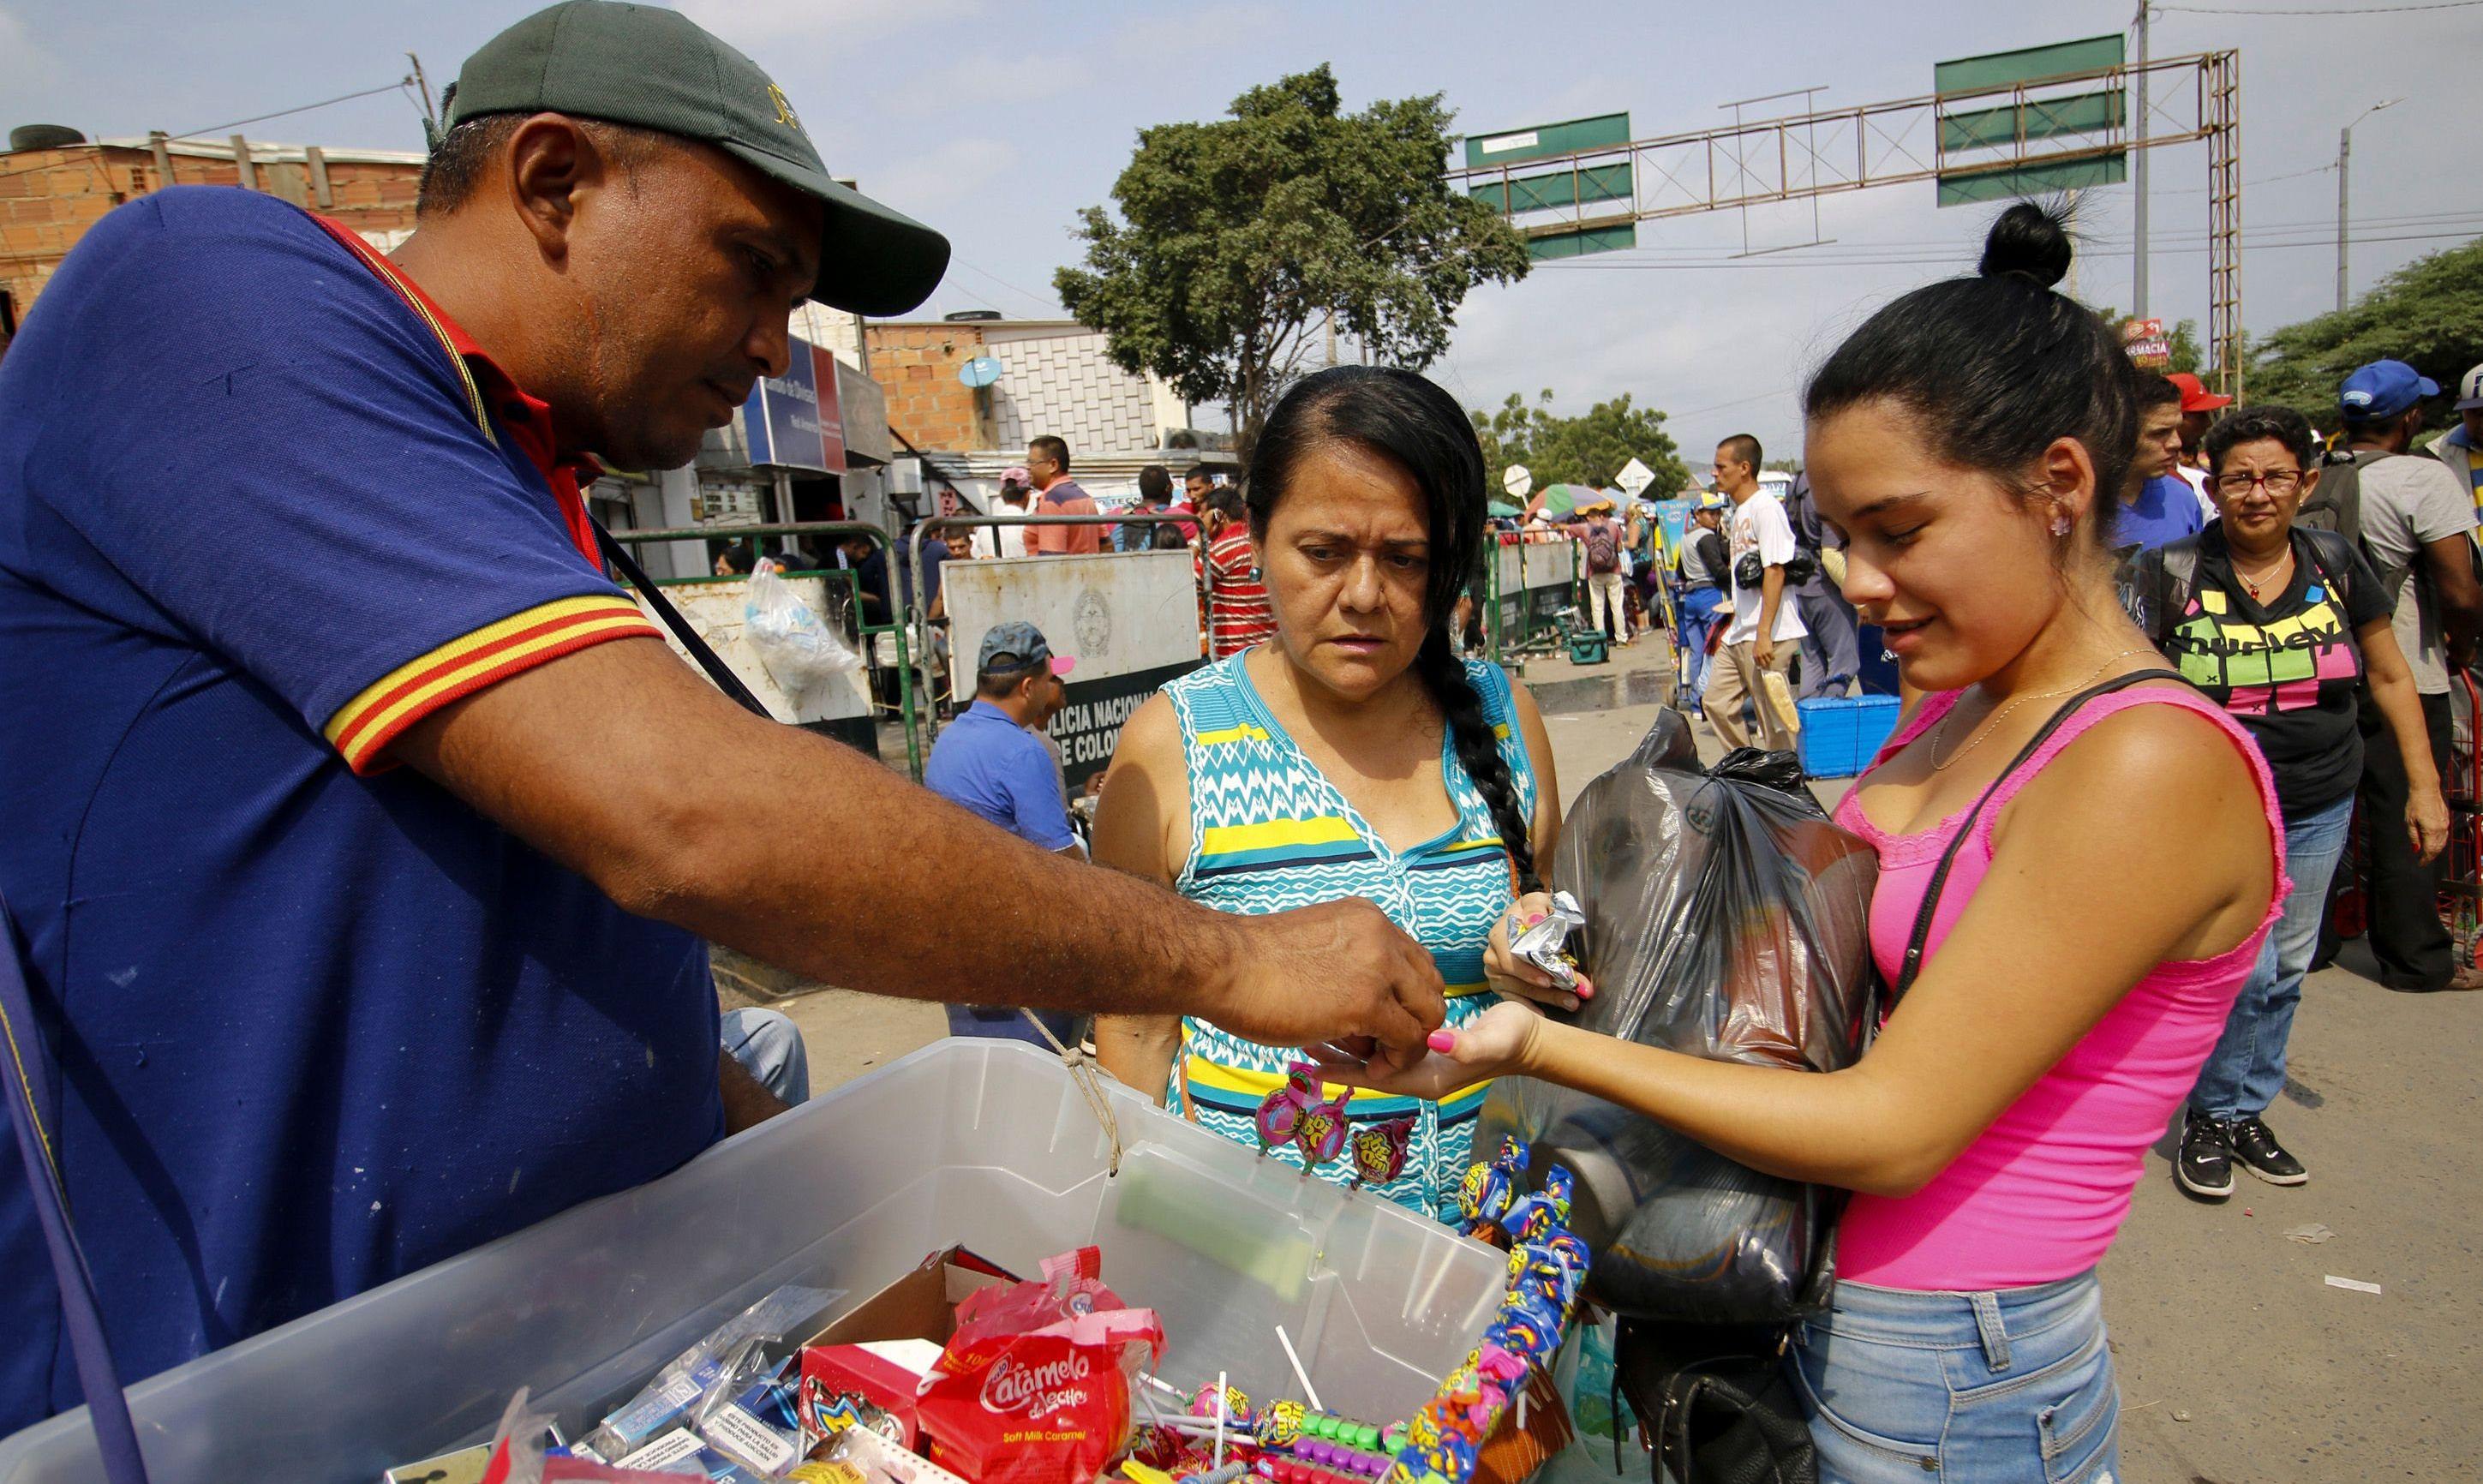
{"points": [[1337, 971], [1763, 649], [1500, 1044], [747, 1102], [2427, 823]]}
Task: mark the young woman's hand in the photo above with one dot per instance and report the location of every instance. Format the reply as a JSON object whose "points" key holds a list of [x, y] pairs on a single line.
{"points": [[1497, 1045], [2427, 823], [1516, 978]]}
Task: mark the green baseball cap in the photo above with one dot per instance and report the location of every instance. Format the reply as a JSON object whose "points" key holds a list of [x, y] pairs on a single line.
{"points": [[654, 68]]}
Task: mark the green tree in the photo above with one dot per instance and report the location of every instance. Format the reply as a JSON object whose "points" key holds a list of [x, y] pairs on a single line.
{"points": [[1584, 450], [2428, 313], [1242, 241]]}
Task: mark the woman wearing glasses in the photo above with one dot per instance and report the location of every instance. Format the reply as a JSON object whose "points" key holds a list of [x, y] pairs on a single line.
{"points": [[2277, 624]]}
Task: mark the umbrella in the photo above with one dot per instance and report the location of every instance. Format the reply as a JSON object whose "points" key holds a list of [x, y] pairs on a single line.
{"points": [[1502, 510], [1564, 500]]}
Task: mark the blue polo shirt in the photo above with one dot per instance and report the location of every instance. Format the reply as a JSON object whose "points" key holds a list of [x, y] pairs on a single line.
{"points": [[1002, 772], [317, 1022], [2164, 511]]}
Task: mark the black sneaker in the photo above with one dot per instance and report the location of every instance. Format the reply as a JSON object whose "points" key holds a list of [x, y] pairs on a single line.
{"points": [[2262, 1155], [2204, 1167]]}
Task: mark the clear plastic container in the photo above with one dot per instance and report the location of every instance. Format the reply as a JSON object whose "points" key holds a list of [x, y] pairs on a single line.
{"points": [[981, 1142]]}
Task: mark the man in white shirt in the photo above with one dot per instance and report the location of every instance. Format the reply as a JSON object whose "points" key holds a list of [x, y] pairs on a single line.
{"points": [[2417, 521], [1767, 629]]}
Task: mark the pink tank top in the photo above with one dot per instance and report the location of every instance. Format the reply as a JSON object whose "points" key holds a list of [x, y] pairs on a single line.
{"points": [[2039, 1197]]}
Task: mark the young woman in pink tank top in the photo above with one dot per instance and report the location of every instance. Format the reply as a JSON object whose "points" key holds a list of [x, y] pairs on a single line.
{"points": [[1969, 442]]}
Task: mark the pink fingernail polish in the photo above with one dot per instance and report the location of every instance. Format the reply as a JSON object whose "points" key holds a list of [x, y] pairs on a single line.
{"points": [[1442, 1040]]}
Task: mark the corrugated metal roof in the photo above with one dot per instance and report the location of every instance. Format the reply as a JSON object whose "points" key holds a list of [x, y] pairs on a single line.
{"points": [[268, 154]]}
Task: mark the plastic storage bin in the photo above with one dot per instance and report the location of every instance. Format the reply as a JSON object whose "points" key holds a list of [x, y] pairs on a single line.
{"points": [[1839, 737], [981, 1142]]}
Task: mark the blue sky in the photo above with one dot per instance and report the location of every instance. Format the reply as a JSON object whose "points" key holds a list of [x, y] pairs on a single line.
{"points": [[997, 119]]}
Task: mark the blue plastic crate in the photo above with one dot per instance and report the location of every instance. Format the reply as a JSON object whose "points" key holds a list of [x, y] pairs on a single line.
{"points": [[1839, 737]]}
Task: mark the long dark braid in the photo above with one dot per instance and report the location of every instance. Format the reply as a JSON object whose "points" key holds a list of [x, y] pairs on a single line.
{"points": [[1411, 420], [1444, 675]]}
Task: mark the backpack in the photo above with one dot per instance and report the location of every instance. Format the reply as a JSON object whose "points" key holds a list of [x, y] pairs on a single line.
{"points": [[2336, 504], [1603, 552]]}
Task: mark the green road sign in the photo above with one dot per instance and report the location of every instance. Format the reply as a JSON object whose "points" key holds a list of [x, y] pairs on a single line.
{"points": [[2001, 68], [2089, 116], [1560, 188], [1606, 237], [1997, 129], [2008, 182], [1510, 147]]}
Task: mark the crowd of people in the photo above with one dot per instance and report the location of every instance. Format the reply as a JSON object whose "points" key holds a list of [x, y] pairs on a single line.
{"points": [[446, 878]]}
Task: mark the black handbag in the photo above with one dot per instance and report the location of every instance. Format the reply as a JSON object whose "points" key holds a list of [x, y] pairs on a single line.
{"points": [[1713, 1401]]}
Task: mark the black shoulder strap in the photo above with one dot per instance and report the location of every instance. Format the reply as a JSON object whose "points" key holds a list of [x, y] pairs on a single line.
{"points": [[1913, 961], [708, 660], [2332, 557]]}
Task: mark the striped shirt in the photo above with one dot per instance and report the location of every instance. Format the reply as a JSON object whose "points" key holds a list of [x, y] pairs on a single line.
{"points": [[1238, 614], [1269, 832]]}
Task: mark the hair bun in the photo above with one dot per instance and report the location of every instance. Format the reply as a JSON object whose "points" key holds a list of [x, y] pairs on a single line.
{"points": [[2030, 240]]}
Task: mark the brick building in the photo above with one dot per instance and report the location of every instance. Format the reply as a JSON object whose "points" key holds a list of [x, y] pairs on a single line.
{"points": [[50, 195]]}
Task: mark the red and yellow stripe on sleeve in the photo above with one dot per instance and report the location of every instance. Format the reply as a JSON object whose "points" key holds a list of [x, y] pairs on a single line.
{"points": [[363, 727]]}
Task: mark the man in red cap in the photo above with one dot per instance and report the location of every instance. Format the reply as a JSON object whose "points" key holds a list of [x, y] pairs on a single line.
{"points": [[2198, 407]]}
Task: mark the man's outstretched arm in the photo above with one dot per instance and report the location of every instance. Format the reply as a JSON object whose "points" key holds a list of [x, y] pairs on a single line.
{"points": [[625, 765]]}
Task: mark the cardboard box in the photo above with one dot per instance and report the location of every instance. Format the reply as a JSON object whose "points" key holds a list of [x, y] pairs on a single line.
{"points": [[839, 1382]]}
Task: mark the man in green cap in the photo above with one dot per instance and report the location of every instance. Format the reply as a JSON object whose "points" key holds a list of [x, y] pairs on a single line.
{"points": [[362, 877]]}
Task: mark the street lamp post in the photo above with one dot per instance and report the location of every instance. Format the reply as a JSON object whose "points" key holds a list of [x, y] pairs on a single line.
{"points": [[2344, 167]]}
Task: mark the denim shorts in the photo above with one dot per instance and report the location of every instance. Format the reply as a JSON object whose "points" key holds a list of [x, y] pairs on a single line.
{"points": [[2009, 1387]]}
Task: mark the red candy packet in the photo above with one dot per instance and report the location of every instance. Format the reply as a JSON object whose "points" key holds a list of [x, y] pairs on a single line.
{"points": [[1034, 1387]]}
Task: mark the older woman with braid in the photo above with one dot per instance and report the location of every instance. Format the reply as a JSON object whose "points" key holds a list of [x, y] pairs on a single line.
{"points": [[1354, 754]]}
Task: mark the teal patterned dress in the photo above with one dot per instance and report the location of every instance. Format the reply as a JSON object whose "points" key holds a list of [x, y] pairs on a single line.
{"points": [[1268, 831]]}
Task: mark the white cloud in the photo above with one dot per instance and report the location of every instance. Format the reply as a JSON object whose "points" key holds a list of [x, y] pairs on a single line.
{"points": [[1193, 29], [951, 174], [832, 22], [19, 54]]}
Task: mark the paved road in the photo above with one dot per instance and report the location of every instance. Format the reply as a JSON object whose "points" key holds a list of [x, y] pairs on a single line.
{"points": [[2239, 1363]]}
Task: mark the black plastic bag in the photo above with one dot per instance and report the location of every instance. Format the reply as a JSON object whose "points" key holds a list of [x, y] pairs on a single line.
{"points": [[1727, 917]]}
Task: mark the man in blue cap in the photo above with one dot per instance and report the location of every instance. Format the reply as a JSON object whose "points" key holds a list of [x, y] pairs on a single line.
{"points": [[991, 761], [364, 872], [2416, 522], [1705, 567]]}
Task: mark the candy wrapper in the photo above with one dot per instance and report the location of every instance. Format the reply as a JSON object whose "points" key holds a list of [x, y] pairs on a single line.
{"points": [[1546, 943], [668, 1400], [1034, 1385], [1727, 917]]}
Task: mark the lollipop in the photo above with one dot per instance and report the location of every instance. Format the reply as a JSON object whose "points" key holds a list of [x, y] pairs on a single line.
{"points": [[1379, 1150], [1280, 1426], [1280, 1114], [1322, 1133], [1489, 1189]]}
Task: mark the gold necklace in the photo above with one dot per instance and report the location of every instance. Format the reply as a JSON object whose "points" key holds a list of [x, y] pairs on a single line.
{"points": [[1939, 734]]}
